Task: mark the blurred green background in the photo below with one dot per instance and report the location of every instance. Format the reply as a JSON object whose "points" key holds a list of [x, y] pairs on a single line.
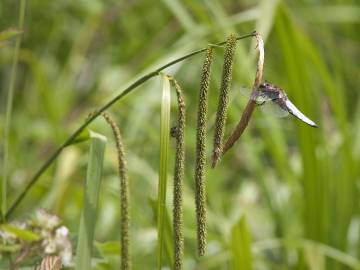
{"points": [[298, 187]]}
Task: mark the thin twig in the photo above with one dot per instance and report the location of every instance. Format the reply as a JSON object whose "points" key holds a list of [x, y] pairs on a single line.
{"points": [[125, 92], [251, 105]]}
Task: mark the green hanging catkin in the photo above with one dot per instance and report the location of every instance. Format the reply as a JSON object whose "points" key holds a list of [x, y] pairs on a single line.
{"points": [[178, 179], [223, 98], [124, 195], [200, 163]]}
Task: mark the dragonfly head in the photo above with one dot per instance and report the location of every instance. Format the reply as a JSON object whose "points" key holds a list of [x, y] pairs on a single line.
{"points": [[265, 84], [271, 91]]}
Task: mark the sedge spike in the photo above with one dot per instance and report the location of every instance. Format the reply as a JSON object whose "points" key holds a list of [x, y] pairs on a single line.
{"points": [[178, 179], [223, 98], [124, 195], [200, 163]]}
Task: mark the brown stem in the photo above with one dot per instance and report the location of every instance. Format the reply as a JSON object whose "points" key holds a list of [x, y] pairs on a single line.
{"points": [[245, 117]]}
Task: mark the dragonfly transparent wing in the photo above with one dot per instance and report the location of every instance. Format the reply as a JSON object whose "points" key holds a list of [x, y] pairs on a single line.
{"points": [[260, 99], [245, 91], [265, 103], [271, 108]]}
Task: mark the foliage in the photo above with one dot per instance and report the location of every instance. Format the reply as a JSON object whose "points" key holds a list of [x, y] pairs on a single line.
{"points": [[92, 185], [298, 187]]}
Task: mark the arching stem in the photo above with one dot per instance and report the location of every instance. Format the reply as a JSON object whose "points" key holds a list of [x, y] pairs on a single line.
{"points": [[77, 132]]}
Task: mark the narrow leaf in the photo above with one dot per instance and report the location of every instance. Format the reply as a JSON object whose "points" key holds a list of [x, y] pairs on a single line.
{"points": [[241, 246], [164, 149], [10, 248], [91, 189], [8, 114], [9, 33], [83, 136], [168, 233], [111, 248], [22, 234]]}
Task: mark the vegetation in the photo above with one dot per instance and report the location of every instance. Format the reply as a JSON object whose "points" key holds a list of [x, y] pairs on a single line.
{"points": [[285, 196]]}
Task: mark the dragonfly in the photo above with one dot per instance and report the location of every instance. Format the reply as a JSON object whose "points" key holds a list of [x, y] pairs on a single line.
{"points": [[276, 100], [272, 98]]}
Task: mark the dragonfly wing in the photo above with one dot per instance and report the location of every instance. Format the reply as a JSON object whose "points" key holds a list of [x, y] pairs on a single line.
{"points": [[271, 108], [259, 98], [245, 91], [296, 112]]}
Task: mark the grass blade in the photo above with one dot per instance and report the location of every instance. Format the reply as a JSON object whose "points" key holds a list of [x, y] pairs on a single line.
{"points": [[23, 234], [164, 152], [241, 246], [323, 249], [92, 188], [9, 105], [9, 33], [168, 233]]}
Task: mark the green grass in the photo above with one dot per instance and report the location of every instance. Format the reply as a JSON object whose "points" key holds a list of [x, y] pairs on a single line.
{"points": [[9, 106], [84, 249], [295, 185], [163, 170], [241, 246]]}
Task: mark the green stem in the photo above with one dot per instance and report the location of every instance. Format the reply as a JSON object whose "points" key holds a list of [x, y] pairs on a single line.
{"points": [[9, 106], [129, 89]]}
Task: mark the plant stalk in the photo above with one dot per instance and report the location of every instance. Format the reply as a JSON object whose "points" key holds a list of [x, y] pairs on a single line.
{"points": [[72, 137]]}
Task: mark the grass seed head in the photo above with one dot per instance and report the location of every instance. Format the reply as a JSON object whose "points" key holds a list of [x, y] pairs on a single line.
{"points": [[200, 163], [223, 98]]}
